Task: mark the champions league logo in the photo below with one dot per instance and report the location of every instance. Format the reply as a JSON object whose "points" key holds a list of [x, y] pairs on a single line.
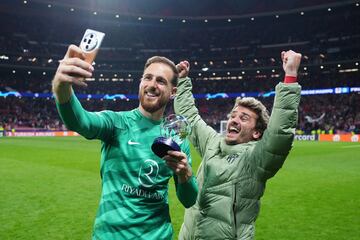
{"points": [[174, 130]]}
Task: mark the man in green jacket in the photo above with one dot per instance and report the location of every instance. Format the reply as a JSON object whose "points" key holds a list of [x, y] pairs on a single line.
{"points": [[235, 167], [134, 197]]}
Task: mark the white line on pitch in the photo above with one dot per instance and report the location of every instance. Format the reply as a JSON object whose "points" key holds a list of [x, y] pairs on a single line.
{"points": [[352, 146]]}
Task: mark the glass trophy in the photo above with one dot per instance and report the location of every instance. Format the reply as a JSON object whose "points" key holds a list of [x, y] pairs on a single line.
{"points": [[173, 131]]}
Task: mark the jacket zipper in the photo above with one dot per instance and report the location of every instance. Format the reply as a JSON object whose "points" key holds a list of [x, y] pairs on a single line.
{"points": [[234, 212]]}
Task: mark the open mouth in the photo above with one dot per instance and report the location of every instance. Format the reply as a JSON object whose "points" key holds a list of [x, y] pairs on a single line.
{"points": [[233, 130], [151, 94]]}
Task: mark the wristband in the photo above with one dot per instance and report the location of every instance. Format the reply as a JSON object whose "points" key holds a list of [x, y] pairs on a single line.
{"points": [[290, 79]]}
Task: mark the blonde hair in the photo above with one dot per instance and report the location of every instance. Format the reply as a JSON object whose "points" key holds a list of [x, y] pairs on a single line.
{"points": [[257, 107]]}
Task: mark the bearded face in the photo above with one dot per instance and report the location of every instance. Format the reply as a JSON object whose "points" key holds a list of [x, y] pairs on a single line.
{"points": [[155, 88], [152, 99], [240, 127]]}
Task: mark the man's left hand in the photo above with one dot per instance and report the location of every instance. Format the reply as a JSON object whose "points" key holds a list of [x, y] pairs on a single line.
{"points": [[291, 62], [183, 68], [177, 161]]}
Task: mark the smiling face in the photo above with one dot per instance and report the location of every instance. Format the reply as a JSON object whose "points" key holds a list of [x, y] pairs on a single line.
{"points": [[155, 88], [240, 127]]}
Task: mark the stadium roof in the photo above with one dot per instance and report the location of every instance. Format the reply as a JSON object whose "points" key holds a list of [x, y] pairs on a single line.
{"points": [[175, 8]]}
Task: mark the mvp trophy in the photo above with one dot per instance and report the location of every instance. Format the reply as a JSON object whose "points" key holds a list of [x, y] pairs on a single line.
{"points": [[174, 130]]}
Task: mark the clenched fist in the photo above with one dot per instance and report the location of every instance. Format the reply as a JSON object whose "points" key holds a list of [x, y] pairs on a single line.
{"points": [[291, 62], [183, 68]]}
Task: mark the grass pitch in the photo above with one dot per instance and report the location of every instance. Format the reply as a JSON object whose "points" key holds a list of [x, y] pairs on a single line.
{"points": [[50, 188]]}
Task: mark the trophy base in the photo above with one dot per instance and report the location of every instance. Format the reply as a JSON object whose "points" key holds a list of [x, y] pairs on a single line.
{"points": [[162, 145]]}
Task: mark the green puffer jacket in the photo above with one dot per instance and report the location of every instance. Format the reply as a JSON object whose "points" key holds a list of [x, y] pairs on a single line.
{"points": [[232, 178]]}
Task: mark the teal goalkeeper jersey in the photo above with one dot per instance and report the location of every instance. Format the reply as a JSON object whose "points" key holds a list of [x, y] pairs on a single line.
{"points": [[134, 198]]}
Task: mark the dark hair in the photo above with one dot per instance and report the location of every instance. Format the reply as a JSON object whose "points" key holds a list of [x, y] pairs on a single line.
{"points": [[171, 64]]}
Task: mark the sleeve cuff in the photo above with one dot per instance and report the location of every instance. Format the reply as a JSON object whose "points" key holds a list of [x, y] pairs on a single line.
{"points": [[290, 79]]}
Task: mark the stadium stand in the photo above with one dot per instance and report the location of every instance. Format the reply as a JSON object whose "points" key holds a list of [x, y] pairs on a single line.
{"points": [[230, 51]]}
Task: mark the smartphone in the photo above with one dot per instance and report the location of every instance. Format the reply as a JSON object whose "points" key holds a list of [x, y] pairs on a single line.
{"points": [[90, 44]]}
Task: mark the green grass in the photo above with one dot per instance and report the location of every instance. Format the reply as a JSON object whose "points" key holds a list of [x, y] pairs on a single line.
{"points": [[50, 188]]}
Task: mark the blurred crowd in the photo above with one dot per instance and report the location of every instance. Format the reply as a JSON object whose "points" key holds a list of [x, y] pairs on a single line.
{"points": [[325, 113], [240, 55]]}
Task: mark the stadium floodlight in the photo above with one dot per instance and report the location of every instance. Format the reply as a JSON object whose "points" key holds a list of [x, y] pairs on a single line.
{"points": [[117, 15], [4, 57]]}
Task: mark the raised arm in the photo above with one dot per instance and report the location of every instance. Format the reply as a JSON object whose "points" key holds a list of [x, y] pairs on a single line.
{"points": [[184, 105], [73, 70], [272, 150]]}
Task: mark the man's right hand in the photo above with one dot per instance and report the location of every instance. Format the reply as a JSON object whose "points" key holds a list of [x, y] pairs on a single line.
{"points": [[72, 70], [183, 68]]}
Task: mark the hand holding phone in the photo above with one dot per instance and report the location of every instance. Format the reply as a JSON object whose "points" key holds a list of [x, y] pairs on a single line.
{"points": [[76, 65]]}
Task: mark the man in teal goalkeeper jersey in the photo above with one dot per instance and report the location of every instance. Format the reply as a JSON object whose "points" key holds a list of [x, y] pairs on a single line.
{"points": [[134, 198]]}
